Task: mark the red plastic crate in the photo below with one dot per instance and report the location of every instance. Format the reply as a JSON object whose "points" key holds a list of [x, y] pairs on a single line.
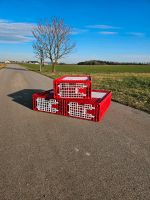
{"points": [[45, 102], [72, 87], [92, 109]]}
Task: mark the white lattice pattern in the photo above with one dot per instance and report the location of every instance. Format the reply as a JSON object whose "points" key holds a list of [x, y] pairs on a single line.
{"points": [[46, 105], [71, 90], [77, 110]]}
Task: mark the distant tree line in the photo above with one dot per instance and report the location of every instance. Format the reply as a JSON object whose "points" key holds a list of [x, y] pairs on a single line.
{"points": [[100, 62]]}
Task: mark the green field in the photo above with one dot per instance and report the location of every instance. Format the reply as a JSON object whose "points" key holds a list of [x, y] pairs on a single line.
{"points": [[130, 84], [95, 68]]}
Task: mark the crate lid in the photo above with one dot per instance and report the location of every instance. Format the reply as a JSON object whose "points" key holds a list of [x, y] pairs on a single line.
{"points": [[75, 78], [98, 94]]}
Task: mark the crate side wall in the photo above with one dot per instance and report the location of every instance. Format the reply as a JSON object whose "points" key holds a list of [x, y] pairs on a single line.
{"points": [[104, 105]]}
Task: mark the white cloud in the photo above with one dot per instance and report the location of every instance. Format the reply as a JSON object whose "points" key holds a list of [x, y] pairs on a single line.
{"points": [[77, 31], [145, 58], [102, 26], [13, 32], [108, 33], [3, 20], [138, 34], [20, 32]]}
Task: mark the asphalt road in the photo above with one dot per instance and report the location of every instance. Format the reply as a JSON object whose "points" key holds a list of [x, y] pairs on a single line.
{"points": [[50, 157]]}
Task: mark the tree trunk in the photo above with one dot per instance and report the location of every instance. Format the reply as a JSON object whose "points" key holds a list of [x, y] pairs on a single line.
{"points": [[40, 65], [53, 67], [43, 62]]}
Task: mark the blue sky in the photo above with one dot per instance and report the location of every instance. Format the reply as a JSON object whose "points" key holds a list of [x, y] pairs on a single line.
{"points": [[102, 29]]}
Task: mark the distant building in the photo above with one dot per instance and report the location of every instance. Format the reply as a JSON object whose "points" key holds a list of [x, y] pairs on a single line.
{"points": [[7, 61], [33, 62], [45, 63]]}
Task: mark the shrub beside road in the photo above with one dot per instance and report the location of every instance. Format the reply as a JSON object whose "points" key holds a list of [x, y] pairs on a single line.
{"points": [[130, 84], [2, 65]]}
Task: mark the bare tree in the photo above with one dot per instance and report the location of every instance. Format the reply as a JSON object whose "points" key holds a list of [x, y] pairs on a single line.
{"points": [[38, 49], [54, 38]]}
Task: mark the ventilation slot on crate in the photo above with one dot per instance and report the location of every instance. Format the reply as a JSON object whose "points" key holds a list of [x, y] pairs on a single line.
{"points": [[72, 90], [47, 105], [80, 111]]}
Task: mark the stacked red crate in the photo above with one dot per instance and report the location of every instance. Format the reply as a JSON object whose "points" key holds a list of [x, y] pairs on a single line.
{"points": [[72, 87], [45, 102], [73, 96], [92, 109]]}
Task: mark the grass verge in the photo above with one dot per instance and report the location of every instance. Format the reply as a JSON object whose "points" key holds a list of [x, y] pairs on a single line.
{"points": [[2, 66], [130, 86]]}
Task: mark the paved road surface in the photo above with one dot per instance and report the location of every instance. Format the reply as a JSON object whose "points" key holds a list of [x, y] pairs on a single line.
{"points": [[49, 157]]}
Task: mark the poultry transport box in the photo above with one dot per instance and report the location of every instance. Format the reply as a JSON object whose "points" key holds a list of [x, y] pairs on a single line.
{"points": [[92, 109], [72, 87], [45, 102]]}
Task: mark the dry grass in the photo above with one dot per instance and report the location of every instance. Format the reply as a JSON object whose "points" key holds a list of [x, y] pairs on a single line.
{"points": [[2, 65]]}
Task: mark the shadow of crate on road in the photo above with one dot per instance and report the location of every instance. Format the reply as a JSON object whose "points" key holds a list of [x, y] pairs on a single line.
{"points": [[24, 97]]}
